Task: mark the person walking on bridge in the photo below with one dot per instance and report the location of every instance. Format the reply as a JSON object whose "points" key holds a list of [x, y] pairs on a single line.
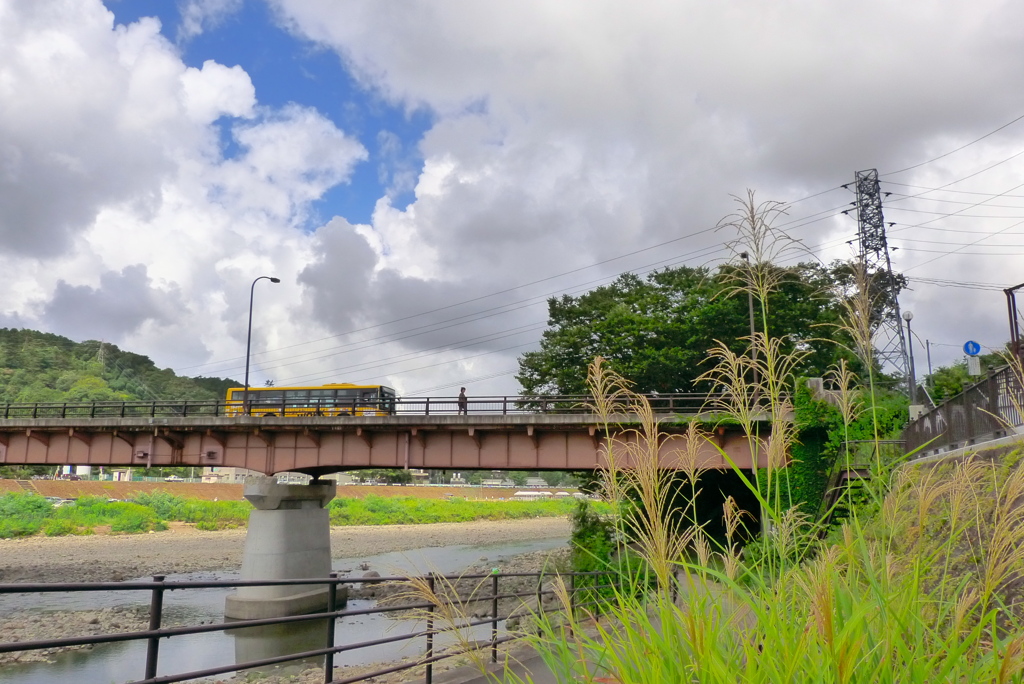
{"points": [[463, 403]]}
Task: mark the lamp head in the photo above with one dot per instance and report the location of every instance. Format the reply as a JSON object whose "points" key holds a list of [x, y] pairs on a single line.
{"points": [[275, 280], [907, 316], [744, 256]]}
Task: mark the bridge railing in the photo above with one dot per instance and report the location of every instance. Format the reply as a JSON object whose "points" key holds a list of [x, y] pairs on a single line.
{"points": [[988, 409], [585, 590], [490, 405]]}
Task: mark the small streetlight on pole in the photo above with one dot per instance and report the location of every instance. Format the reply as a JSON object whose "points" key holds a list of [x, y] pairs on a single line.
{"points": [[248, 337], [912, 379]]}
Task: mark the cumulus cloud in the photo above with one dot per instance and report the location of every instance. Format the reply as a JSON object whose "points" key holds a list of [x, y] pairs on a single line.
{"points": [[112, 172], [568, 134], [119, 306], [198, 16], [564, 138]]}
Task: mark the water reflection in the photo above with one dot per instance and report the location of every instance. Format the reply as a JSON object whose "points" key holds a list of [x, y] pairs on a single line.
{"points": [[270, 641], [126, 661]]}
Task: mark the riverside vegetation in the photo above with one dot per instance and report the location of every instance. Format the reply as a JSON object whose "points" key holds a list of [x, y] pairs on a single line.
{"points": [[29, 514], [921, 583]]}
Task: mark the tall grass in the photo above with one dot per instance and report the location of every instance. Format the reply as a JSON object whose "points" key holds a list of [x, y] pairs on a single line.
{"points": [[926, 591], [926, 585]]}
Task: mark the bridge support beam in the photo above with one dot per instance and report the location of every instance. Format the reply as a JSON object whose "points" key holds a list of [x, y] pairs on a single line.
{"points": [[289, 537]]}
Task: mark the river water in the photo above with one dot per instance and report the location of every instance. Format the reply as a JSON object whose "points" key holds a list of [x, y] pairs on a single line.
{"points": [[123, 662]]}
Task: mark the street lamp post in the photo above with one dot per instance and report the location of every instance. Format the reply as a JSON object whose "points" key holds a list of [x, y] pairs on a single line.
{"points": [[907, 315], [248, 337]]}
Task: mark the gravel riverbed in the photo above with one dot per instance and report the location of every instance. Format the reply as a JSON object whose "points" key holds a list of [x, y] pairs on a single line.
{"points": [[183, 549], [105, 558]]}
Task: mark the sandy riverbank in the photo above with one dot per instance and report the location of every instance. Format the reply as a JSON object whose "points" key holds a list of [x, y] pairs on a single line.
{"points": [[102, 558]]}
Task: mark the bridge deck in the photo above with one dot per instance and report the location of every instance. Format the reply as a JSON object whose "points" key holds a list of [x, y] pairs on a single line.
{"points": [[320, 444]]}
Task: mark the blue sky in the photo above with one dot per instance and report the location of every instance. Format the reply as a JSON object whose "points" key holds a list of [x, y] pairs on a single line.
{"points": [[285, 68], [423, 175]]}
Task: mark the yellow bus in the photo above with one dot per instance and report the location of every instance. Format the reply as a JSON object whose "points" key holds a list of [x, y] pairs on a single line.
{"points": [[338, 399]]}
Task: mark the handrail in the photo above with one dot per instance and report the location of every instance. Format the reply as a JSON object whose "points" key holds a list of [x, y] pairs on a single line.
{"points": [[507, 404], [159, 586], [988, 408]]}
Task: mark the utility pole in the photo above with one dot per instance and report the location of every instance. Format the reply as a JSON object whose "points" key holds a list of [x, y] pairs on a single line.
{"points": [[928, 350], [889, 341], [1014, 313], [907, 316]]}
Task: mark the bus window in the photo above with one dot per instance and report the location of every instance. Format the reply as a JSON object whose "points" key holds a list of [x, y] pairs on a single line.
{"points": [[347, 399], [297, 398], [326, 396], [272, 397], [321, 398]]}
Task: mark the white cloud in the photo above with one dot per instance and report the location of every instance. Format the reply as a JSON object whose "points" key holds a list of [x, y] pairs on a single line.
{"points": [[562, 135], [198, 16], [113, 171], [216, 90], [569, 133]]}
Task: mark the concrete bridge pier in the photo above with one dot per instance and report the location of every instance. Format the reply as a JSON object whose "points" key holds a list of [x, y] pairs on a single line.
{"points": [[289, 537]]}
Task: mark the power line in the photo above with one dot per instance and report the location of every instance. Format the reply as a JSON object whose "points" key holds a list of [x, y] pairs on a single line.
{"points": [[807, 220], [946, 213], [441, 363], [412, 356], [943, 188], [962, 147], [476, 299], [460, 383], [952, 244], [483, 314], [947, 252], [794, 224]]}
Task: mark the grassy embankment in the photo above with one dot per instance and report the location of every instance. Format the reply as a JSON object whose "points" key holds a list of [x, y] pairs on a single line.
{"points": [[28, 514]]}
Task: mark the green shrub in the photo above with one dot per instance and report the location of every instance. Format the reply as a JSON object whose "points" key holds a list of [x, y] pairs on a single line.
{"points": [[162, 503], [60, 527], [22, 515], [403, 510], [18, 528], [134, 522], [218, 513]]}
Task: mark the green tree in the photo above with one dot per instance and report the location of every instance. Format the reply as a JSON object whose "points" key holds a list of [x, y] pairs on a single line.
{"points": [[948, 381], [386, 475], [655, 331], [40, 367]]}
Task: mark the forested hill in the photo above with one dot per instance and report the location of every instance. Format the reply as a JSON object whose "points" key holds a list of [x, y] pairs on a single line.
{"points": [[40, 367]]}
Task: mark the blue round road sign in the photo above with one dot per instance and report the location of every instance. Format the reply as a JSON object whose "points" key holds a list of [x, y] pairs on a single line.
{"points": [[972, 348]]}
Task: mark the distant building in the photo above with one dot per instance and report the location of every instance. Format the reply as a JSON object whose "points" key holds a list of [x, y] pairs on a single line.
{"points": [[287, 478], [536, 482], [340, 478], [226, 475]]}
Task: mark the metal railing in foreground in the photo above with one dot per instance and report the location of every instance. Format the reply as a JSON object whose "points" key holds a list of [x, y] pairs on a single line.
{"points": [[988, 409], [581, 585], [504, 405]]}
